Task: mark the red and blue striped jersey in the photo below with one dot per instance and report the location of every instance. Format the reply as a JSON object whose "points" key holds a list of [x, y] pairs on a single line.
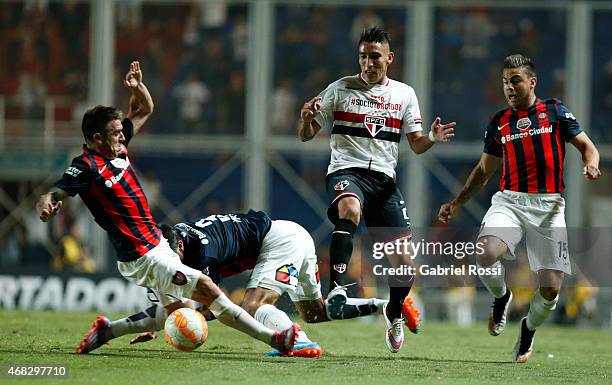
{"points": [[111, 191], [531, 143]]}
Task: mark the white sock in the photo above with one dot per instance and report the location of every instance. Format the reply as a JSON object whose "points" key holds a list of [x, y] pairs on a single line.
{"points": [[539, 309], [149, 320], [276, 319], [236, 317], [496, 284]]}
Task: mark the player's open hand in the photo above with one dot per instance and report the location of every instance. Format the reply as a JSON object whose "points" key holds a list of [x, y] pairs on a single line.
{"points": [[134, 76], [443, 132], [591, 172], [46, 208], [447, 211], [311, 109]]}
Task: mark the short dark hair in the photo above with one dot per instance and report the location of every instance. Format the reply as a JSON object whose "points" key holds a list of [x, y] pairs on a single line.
{"points": [[171, 235], [520, 61], [375, 34], [96, 119]]}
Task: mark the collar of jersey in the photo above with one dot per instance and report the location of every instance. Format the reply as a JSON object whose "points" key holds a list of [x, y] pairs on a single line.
{"points": [[373, 85], [528, 108], [87, 150]]}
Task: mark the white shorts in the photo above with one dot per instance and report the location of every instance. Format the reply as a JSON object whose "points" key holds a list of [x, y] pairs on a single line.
{"points": [[162, 270], [539, 217], [287, 263]]}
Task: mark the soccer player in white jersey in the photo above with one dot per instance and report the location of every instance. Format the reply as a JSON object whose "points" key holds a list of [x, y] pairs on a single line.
{"points": [[367, 113]]}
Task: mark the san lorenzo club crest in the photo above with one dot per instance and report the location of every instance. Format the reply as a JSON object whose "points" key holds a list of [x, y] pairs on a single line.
{"points": [[374, 124], [523, 124], [179, 278]]}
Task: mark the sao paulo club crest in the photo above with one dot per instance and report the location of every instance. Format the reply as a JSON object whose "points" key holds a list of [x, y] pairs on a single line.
{"points": [[374, 124], [340, 186]]}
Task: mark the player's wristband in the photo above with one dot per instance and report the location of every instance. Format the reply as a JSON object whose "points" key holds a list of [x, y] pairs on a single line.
{"points": [[431, 136]]}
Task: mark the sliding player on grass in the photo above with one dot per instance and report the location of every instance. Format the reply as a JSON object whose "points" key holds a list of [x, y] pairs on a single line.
{"points": [[106, 181], [282, 257]]}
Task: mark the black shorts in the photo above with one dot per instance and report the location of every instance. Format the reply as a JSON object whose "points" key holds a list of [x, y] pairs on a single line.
{"points": [[382, 203]]}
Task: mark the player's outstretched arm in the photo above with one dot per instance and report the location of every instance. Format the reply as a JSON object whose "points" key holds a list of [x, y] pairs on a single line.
{"points": [[475, 182], [590, 155], [141, 102], [440, 132], [307, 127], [50, 204]]}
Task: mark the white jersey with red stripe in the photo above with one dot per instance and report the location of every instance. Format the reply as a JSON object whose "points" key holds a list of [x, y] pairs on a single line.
{"points": [[367, 122]]}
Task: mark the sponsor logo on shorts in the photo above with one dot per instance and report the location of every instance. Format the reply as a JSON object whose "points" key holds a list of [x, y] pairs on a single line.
{"points": [[179, 278], [287, 274], [340, 186], [340, 267], [523, 123]]}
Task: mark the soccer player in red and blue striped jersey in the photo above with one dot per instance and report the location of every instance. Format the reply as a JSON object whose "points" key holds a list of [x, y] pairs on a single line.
{"points": [[106, 181], [528, 138]]}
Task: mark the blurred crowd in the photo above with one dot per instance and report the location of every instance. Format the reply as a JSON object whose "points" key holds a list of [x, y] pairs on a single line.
{"points": [[195, 54]]}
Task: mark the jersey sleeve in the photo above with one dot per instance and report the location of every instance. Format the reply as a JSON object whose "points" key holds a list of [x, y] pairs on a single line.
{"points": [[567, 122], [128, 130], [76, 178], [492, 140], [412, 121], [325, 118], [211, 269]]}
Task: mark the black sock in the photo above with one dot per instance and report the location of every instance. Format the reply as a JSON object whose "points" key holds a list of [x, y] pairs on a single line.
{"points": [[354, 311], [399, 287], [340, 251]]}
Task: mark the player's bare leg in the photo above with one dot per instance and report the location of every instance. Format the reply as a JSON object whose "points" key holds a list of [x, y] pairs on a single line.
{"points": [[230, 314], [493, 249], [146, 322], [259, 302], [543, 303]]}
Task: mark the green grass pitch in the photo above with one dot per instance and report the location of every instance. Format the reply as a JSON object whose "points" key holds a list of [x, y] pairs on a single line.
{"points": [[354, 353]]}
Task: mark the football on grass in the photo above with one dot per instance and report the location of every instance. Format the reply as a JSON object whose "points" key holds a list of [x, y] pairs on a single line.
{"points": [[186, 329]]}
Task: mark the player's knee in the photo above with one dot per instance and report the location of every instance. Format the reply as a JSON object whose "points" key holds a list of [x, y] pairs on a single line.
{"points": [[350, 208], [251, 306], [490, 250], [549, 293]]}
